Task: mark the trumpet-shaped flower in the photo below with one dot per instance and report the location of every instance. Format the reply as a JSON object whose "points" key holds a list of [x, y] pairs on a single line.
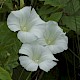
{"points": [[35, 56], [23, 20], [52, 36]]}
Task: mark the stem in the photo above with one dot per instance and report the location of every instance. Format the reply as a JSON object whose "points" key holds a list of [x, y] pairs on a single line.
{"points": [[41, 75], [21, 74], [29, 76], [74, 60], [67, 70], [34, 75], [32, 1], [74, 54], [37, 74]]}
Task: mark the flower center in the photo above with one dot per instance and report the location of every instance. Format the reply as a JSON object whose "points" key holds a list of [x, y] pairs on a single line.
{"points": [[36, 61], [36, 58], [49, 42], [26, 29]]}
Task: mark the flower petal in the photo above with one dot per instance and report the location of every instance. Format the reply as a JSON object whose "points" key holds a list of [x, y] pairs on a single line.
{"points": [[26, 37], [47, 55], [52, 31], [26, 49], [18, 18], [33, 51], [60, 45], [47, 65], [14, 27], [38, 30], [28, 64], [34, 18], [13, 22], [22, 15]]}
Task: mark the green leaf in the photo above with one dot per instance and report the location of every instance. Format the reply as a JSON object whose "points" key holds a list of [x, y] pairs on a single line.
{"points": [[65, 29], [6, 6], [48, 12], [60, 3], [72, 22], [4, 75], [21, 3], [9, 48], [9, 4], [55, 16], [72, 6]]}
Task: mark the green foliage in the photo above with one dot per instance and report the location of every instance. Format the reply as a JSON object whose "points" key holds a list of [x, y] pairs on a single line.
{"points": [[72, 22], [4, 75], [55, 16], [60, 3], [9, 46], [9, 4], [21, 3], [72, 6], [71, 19], [48, 12], [6, 5]]}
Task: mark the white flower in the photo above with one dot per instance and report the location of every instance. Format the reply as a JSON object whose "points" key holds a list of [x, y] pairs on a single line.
{"points": [[23, 20], [52, 36], [35, 56]]}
